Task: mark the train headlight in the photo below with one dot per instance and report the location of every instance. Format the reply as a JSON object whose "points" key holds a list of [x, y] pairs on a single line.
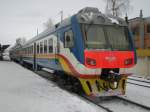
{"points": [[128, 61], [90, 61]]}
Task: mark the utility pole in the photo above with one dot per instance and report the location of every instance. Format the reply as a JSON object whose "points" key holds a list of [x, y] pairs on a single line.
{"points": [[126, 19], [61, 13], [37, 31], [141, 30]]}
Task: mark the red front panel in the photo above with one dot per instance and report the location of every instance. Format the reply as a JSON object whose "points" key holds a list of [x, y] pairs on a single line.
{"points": [[108, 59]]}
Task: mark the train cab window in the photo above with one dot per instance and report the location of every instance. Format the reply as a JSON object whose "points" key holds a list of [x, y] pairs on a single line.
{"points": [[50, 45], [45, 46], [41, 47], [68, 41]]}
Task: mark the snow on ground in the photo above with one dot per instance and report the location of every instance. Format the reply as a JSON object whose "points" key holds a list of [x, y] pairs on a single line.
{"points": [[138, 94], [22, 90]]}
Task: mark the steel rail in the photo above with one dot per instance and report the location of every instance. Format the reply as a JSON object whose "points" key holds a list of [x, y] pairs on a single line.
{"points": [[134, 103], [139, 80], [94, 101], [138, 84]]}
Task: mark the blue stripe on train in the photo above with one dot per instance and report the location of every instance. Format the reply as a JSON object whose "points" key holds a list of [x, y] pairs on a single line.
{"points": [[44, 62]]}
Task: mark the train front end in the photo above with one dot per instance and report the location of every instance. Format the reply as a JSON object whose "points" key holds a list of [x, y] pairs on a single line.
{"points": [[109, 48]]}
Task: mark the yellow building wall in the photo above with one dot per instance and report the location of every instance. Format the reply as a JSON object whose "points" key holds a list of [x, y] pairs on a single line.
{"points": [[142, 67]]}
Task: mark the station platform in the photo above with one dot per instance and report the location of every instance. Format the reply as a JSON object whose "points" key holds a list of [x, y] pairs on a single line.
{"points": [[22, 90]]}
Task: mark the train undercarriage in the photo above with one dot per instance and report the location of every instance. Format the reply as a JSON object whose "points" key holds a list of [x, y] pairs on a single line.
{"points": [[109, 83]]}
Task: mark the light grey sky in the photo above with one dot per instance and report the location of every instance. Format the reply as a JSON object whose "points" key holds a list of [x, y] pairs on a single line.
{"points": [[21, 18]]}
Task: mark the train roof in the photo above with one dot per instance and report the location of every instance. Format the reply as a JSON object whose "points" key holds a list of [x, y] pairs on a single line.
{"points": [[48, 31], [85, 15]]}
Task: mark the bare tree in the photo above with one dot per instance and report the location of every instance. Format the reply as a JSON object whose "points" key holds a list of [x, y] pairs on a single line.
{"points": [[117, 7], [48, 24], [20, 41]]}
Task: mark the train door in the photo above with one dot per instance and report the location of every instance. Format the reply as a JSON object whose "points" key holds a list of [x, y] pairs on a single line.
{"points": [[34, 57], [56, 47]]}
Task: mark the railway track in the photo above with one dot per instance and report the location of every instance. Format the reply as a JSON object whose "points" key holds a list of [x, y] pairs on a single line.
{"points": [[96, 102], [47, 76], [108, 104], [139, 82], [145, 81], [125, 105], [135, 103]]}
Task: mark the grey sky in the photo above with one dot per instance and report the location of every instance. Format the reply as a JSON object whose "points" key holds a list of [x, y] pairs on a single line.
{"points": [[21, 18]]}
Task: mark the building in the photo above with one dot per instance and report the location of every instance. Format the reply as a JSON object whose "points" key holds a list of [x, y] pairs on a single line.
{"points": [[140, 27]]}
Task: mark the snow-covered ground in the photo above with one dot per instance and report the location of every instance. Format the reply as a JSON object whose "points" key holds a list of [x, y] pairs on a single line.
{"points": [[22, 90], [138, 94]]}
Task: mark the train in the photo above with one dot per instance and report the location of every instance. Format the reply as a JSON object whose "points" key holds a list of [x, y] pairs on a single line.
{"points": [[90, 50], [2, 50]]}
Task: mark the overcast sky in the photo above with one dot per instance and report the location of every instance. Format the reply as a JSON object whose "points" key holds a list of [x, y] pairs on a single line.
{"points": [[21, 18]]}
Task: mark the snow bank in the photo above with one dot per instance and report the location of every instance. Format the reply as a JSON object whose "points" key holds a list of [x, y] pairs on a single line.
{"points": [[22, 90], [138, 94]]}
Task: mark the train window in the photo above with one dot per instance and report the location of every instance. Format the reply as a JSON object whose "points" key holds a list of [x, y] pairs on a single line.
{"points": [[45, 46], [69, 42], [148, 28], [41, 47], [117, 38], [32, 49], [24, 51], [28, 50], [50, 47], [38, 48]]}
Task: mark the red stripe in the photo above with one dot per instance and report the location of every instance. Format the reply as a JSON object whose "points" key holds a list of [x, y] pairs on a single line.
{"points": [[76, 73]]}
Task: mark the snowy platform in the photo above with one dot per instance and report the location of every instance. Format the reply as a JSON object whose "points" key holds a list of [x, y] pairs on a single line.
{"points": [[22, 90]]}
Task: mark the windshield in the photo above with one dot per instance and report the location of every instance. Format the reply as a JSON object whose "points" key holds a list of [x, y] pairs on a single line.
{"points": [[105, 37]]}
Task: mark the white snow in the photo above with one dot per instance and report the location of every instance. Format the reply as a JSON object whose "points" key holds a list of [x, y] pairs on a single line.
{"points": [[138, 94], [22, 90]]}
